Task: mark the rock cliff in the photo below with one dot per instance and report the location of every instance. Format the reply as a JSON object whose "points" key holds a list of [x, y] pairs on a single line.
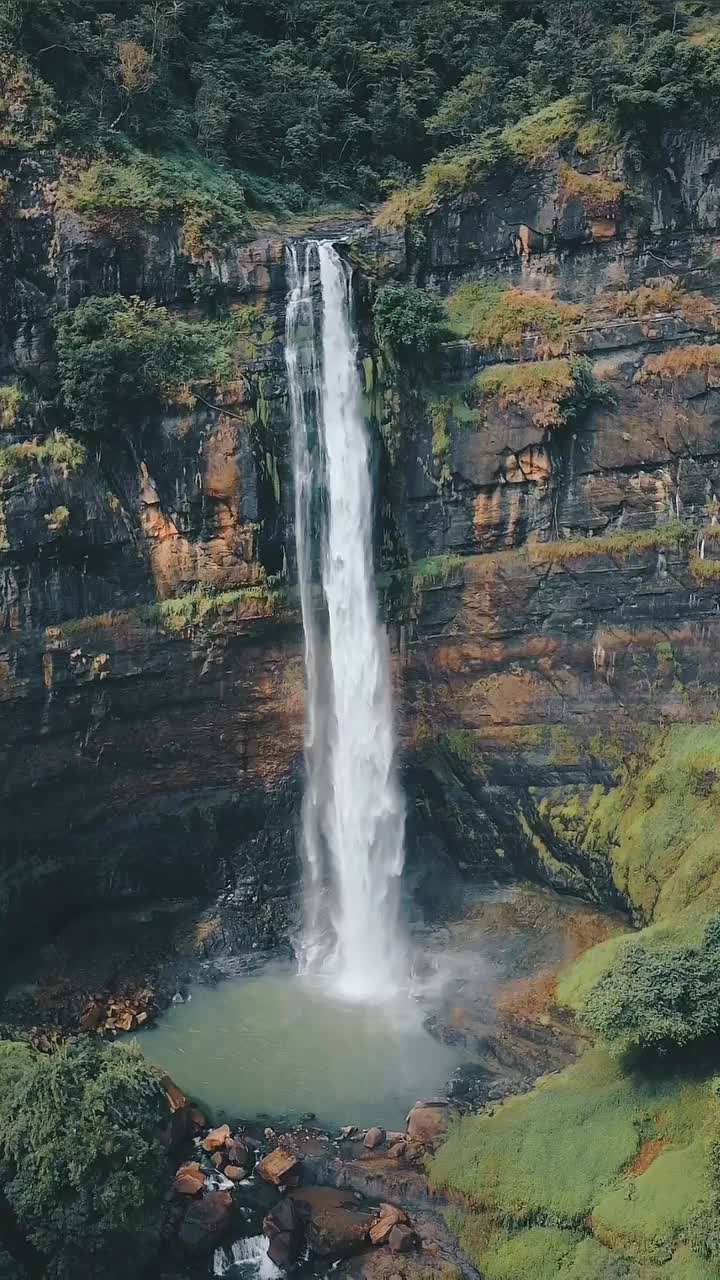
{"points": [[550, 589]]}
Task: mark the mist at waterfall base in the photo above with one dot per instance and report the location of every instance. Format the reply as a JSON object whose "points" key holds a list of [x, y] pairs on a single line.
{"points": [[353, 812]]}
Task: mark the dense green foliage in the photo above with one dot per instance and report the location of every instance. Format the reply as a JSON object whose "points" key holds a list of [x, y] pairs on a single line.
{"points": [[348, 97], [82, 1157], [410, 322], [658, 996], [117, 357]]}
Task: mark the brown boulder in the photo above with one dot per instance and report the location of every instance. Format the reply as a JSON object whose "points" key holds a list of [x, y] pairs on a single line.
{"points": [[189, 1179], [280, 1167], [390, 1216], [234, 1172], [284, 1229], [397, 1150], [92, 1017], [179, 1128], [335, 1223], [402, 1239], [374, 1138], [427, 1121], [197, 1119], [217, 1138], [240, 1154], [206, 1222]]}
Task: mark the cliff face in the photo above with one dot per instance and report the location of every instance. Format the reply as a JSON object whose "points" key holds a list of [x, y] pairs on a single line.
{"points": [[152, 733]]}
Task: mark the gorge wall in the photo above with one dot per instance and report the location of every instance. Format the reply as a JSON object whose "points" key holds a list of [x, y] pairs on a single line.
{"points": [[150, 664]]}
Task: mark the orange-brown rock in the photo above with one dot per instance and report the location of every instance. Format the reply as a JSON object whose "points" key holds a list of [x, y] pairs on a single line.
{"points": [[234, 1172], [189, 1179], [374, 1138], [216, 1138], [279, 1167], [390, 1216], [427, 1121]]}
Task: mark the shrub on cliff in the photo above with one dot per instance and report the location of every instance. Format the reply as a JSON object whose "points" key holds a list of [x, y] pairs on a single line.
{"points": [[410, 322], [119, 357], [658, 996], [82, 1158]]}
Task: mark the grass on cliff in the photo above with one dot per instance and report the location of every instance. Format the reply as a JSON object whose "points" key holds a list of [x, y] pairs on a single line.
{"points": [[554, 393], [681, 361], [117, 195], [659, 827], [452, 174], [177, 614], [620, 542], [594, 1146], [600, 196], [665, 294], [494, 316], [57, 450]]}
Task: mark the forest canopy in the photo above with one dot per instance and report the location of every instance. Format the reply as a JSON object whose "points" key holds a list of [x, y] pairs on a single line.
{"points": [[342, 100]]}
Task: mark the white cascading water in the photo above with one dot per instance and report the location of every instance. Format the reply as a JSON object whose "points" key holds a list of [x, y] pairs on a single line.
{"points": [[353, 813]]}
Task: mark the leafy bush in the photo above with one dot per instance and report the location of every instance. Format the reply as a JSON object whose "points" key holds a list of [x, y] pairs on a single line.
{"points": [[494, 316], [658, 996], [117, 357], [410, 322], [83, 1161], [555, 393]]}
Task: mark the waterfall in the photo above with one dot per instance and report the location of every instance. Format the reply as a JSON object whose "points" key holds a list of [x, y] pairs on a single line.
{"points": [[353, 813]]}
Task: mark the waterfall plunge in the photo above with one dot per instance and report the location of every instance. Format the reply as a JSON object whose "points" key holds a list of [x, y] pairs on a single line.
{"points": [[353, 813]]}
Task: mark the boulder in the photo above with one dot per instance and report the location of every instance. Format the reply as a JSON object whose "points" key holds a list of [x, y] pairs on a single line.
{"points": [[389, 1217], [189, 1179], [428, 1120], [335, 1223], [402, 1238], [206, 1222], [92, 1017], [197, 1119], [284, 1229], [216, 1138], [240, 1154], [397, 1150], [280, 1167], [179, 1128], [374, 1138], [217, 1160], [234, 1172]]}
